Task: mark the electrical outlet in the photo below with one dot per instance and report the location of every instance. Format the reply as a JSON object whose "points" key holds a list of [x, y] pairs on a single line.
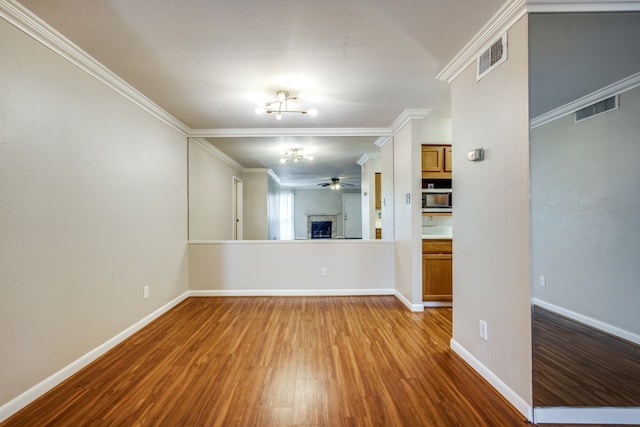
{"points": [[145, 292], [543, 280], [323, 272], [484, 330]]}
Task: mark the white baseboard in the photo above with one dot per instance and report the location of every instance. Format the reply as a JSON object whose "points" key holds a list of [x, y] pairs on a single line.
{"points": [[289, 292], [432, 304], [520, 404], [567, 415], [47, 384], [589, 321], [413, 307]]}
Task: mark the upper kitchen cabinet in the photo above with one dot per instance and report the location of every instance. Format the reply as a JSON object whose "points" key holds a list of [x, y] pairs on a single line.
{"points": [[436, 161], [378, 190]]}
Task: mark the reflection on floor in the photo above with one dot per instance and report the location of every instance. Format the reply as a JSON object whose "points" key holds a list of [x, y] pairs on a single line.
{"points": [[575, 365]]}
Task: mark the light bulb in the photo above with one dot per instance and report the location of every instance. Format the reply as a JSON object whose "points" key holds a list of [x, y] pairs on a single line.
{"points": [[312, 112], [309, 157], [260, 111], [337, 186], [283, 160], [279, 116], [281, 96]]}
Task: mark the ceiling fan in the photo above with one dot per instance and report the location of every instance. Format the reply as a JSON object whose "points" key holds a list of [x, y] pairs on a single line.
{"points": [[335, 184]]}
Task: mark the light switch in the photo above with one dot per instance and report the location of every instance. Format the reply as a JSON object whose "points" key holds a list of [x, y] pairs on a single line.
{"points": [[407, 199]]}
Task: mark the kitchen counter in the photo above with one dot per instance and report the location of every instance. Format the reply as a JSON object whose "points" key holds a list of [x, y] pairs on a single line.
{"points": [[437, 232]]}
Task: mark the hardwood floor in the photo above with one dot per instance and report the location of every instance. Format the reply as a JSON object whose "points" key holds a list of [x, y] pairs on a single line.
{"points": [[575, 365], [288, 361]]}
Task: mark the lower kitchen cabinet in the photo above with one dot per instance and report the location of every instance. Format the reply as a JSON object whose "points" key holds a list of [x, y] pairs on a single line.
{"points": [[437, 264]]}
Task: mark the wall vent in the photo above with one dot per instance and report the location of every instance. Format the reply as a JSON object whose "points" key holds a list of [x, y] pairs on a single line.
{"points": [[495, 55], [592, 110]]}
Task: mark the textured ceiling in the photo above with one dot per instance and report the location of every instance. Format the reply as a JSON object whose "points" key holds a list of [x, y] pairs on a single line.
{"points": [[210, 63]]}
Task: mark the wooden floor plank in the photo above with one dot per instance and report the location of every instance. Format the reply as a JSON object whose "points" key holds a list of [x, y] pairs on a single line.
{"points": [[289, 361], [576, 365]]}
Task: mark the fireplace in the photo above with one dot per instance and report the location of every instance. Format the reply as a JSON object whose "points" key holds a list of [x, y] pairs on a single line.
{"points": [[320, 229], [322, 226]]}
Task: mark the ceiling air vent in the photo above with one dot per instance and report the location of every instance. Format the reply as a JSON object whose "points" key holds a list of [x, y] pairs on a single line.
{"points": [[597, 108], [495, 55]]}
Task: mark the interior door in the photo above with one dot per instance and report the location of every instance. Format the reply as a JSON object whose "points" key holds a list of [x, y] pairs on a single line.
{"points": [[352, 215]]}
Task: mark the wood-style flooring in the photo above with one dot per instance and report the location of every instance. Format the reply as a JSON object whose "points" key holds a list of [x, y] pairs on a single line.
{"points": [[288, 361], [575, 365]]}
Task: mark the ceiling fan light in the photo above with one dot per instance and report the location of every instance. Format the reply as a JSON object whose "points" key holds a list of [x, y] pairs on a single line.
{"points": [[278, 116], [312, 112]]}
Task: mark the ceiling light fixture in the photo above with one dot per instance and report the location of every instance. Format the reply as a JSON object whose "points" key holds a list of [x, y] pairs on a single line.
{"points": [[295, 155], [279, 106]]}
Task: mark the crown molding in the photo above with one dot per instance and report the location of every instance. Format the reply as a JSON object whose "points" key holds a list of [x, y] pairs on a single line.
{"points": [[405, 116], [257, 170], [275, 177], [366, 157], [511, 12], [216, 152], [504, 18], [382, 140], [568, 6], [23, 19], [262, 132], [616, 88]]}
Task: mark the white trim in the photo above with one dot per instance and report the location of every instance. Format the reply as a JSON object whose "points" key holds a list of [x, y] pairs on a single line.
{"points": [[582, 415], [49, 383], [559, 6], [366, 157], [589, 321], [407, 115], [262, 132], [275, 177], [616, 88], [519, 403], [337, 241], [417, 308], [499, 23], [216, 152], [289, 292], [257, 170], [432, 304], [382, 140], [23, 19]]}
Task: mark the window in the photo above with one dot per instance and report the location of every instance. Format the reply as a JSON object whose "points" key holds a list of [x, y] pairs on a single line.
{"points": [[286, 216]]}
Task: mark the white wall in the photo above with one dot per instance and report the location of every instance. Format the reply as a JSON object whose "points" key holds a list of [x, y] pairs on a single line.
{"points": [[255, 204], [313, 202], [210, 193], [491, 248], [407, 216], [585, 211], [273, 208], [292, 267], [93, 206], [386, 169]]}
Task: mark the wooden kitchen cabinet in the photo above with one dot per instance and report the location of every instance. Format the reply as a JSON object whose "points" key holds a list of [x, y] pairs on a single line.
{"points": [[436, 161], [437, 270]]}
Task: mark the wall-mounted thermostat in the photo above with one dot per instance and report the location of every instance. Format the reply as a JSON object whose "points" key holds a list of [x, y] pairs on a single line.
{"points": [[475, 155]]}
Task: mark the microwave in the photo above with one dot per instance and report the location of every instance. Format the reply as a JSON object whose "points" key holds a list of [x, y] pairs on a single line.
{"points": [[437, 200]]}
